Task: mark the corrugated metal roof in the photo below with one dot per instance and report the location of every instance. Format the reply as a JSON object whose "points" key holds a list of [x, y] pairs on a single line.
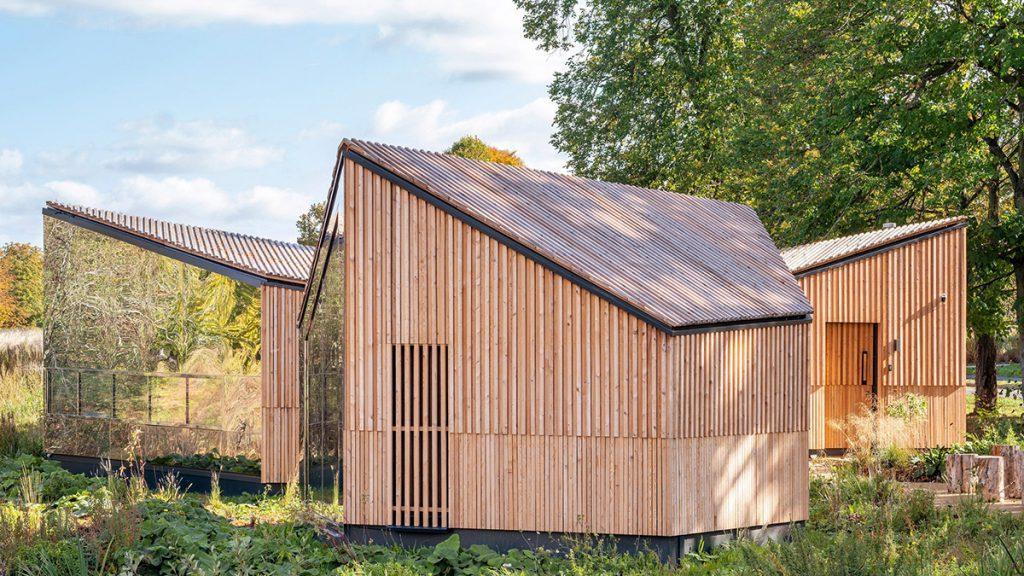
{"points": [[807, 256], [683, 260], [270, 259]]}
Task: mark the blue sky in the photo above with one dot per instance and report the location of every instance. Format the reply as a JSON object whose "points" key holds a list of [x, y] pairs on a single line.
{"points": [[228, 114]]}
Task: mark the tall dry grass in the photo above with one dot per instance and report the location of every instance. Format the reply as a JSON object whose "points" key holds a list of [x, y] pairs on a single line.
{"points": [[21, 391], [874, 437]]}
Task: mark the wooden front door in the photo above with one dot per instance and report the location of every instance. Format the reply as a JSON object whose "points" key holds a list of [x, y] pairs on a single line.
{"points": [[851, 374]]}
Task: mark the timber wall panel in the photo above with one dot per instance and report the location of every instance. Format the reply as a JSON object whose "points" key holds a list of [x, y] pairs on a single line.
{"points": [[279, 379], [901, 290], [559, 402]]}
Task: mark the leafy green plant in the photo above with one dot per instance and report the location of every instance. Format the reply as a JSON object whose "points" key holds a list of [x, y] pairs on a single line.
{"points": [[210, 461]]}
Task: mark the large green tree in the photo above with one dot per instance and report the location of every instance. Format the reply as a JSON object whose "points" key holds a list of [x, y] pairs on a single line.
{"points": [[309, 224], [827, 116], [647, 87]]}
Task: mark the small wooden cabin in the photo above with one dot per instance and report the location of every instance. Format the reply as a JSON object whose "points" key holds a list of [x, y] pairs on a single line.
{"points": [[98, 259], [889, 318], [498, 350]]}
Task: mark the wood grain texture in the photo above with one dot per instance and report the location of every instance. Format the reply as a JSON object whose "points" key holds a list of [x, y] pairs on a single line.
{"points": [[279, 378], [555, 401], [920, 337], [850, 366]]}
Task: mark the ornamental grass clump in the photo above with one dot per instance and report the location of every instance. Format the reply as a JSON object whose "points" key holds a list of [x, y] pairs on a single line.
{"points": [[881, 439]]}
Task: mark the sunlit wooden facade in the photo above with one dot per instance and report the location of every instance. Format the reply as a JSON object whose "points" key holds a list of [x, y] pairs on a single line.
{"points": [[889, 318], [486, 390]]}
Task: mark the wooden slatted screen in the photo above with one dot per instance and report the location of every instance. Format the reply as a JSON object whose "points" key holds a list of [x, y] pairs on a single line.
{"points": [[419, 417]]}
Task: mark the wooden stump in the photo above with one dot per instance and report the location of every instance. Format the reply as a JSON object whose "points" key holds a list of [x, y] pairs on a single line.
{"points": [[991, 478], [1013, 468], [968, 476], [954, 474]]}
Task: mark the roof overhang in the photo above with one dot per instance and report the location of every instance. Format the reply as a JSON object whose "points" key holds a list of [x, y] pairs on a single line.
{"points": [[185, 256]]}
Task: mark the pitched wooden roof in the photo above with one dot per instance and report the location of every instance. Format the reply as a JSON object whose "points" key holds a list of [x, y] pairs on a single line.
{"points": [[807, 257], [680, 260], [265, 259]]}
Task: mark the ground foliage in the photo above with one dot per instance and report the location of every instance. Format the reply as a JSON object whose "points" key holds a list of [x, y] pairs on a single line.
{"points": [[54, 522]]}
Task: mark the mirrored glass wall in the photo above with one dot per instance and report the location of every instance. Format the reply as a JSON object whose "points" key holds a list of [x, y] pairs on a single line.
{"points": [[323, 384], [146, 356]]}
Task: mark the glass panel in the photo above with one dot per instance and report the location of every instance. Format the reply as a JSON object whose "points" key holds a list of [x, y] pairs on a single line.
{"points": [[323, 378], [63, 392], [96, 394], [135, 323]]}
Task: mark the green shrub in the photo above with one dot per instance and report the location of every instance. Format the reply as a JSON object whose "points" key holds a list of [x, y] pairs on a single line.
{"points": [[47, 558], [210, 461]]}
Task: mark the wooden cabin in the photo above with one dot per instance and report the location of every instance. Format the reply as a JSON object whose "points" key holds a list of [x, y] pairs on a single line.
{"points": [[505, 352], [123, 340], [889, 318]]}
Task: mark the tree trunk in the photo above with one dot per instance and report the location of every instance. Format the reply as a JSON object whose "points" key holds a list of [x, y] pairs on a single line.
{"points": [[1018, 307], [985, 383]]}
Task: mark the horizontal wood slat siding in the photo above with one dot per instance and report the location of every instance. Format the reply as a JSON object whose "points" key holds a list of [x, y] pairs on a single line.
{"points": [[559, 402], [279, 377], [901, 290]]}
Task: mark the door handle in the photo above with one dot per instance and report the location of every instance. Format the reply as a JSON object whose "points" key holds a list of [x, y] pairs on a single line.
{"points": [[863, 366]]}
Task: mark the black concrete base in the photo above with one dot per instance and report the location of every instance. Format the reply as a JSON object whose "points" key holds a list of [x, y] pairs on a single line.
{"points": [[189, 479], [668, 548], [828, 452]]}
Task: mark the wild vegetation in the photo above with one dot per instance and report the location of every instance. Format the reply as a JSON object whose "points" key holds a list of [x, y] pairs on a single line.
{"points": [[54, 522]]}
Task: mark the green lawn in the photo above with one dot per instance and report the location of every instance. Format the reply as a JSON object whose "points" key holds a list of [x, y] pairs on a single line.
{"points": [[1002, 370]]}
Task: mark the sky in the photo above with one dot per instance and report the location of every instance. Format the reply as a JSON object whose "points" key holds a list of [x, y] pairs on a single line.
{"points": [[228, 113]]}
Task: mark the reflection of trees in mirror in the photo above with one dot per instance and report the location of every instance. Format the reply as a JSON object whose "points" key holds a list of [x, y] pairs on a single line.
{"points": [[143, 341], [322, 368]]}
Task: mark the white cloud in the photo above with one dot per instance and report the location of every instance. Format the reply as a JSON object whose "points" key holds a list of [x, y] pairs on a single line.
{"points": [[264, 211], [22, 8], [71, 192], [435, 125], [10, 161], [321, 130], [471, 39], [164, 146]]}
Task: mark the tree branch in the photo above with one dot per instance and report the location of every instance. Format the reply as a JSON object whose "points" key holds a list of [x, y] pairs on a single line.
{"points": [[1003, 159]]}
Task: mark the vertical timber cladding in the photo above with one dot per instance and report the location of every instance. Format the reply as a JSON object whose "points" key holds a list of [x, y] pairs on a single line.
{"points": [[558, 402], [851, 375], [279, 378], [921, 338]]}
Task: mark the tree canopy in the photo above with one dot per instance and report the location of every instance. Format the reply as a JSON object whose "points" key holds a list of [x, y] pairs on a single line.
{"points": [[827, 116], [476, 149], [310, 222], [21, 285]]}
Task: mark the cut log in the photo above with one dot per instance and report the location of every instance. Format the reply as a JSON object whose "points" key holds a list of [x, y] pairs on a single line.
{"points": [[991, 478], [968, 475], [954, 474], [1013, 467]]}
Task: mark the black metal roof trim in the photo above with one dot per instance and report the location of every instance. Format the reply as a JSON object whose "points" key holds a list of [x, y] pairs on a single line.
{"points": [[554, 266], [879, 249], [165, 250], [332, 194]]}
